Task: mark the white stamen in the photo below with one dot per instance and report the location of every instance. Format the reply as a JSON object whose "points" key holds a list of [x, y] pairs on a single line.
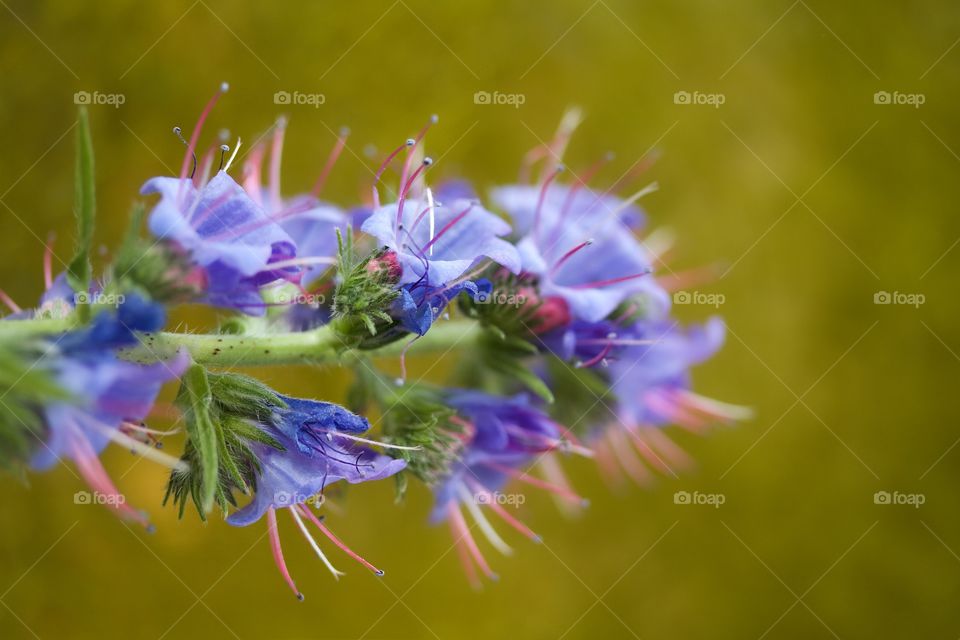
{"points": [[232, 156], [433, 221], [313, 543], [340, 434], [616, 211], [302, 262], [145, 450], [491, 534]]}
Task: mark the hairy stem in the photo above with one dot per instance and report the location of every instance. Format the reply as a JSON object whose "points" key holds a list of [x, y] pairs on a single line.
{"points": [[321, 345]]}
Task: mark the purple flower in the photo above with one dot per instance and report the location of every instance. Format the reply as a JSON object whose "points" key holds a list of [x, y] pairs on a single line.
{"points": [[320, 447], [436, 243], [503, 438], [581, 249], [109, 396], [649, 375], [226, 234]]}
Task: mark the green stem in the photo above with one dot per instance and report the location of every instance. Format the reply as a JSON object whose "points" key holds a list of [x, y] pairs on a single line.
{"points": [[321, 345], [16, 329]]}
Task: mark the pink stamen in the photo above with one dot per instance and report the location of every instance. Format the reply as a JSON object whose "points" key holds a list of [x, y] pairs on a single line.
{"points": [[628, 459], [569, 254], [541, 198], [406, 189], [252, 172], [416, 141], [647, 452], [48, 261], [462, 532], [597, 358], [278, 551], [670, 449], [7, 300], [195, 136], [580, 184], [343, 547], [90, 467], [604, 283], [498, 509], [383, 167], [537, 482], [457, 218], [331, 160], [276, 155], [465, 560]]}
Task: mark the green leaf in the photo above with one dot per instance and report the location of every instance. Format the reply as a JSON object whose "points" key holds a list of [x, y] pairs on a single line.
{"points": [[84, 208], [195, 399]]}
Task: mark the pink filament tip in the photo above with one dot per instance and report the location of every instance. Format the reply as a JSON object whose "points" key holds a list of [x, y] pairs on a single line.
{"points": [[278, 551]]}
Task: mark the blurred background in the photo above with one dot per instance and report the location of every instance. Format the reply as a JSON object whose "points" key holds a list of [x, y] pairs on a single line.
{"points": [[780, 165]]}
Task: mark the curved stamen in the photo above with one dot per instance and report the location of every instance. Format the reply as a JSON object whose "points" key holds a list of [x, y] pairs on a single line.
{"points": [[7, 300], [462, 532], [383, 167], [313, 544], [343, 547], [457, 218], [604, 283], [195, 136], [569, 254], [537, 482], [416, 141], [497, 508], [540, 200], [278, 551], [470, 501], [331, 160], [406, 189]]}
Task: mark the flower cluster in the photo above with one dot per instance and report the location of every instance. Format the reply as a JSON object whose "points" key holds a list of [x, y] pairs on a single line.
{"points": [[549, 289]]}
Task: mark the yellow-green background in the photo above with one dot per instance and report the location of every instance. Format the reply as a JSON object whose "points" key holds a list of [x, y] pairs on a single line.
{"points": [[851, 397]]}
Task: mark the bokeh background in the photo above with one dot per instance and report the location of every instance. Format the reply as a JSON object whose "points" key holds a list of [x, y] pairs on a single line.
{"points": [[806, 196]]}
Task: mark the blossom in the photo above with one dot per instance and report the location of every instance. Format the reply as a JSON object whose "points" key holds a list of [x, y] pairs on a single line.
{"points": [[649, 375], [311, 222], [319, 443], [438, 242], [108, 396], [581, 247], [503, 438], [237, 245]]}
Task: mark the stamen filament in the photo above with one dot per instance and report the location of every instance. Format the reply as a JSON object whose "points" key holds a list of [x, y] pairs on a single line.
{"points": [[331, 160], [470, 501], [278, 552], [537, 482], [313, 543], [350, 552]]}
